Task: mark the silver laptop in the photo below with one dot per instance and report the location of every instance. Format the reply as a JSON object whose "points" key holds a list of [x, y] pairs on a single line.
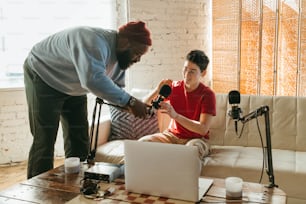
{"points": [[166, 170]]}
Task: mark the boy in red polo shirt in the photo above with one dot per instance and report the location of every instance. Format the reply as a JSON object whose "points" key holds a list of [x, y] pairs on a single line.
{"points": [[191, 106]]}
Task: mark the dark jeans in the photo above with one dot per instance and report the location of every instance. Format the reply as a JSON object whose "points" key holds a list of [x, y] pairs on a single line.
{"points": [[46, 108]]}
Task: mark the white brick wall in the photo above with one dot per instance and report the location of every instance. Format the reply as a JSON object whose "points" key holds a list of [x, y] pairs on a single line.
{"points": [[13, 126], [15, 136], [15, 133], [177, 26]]}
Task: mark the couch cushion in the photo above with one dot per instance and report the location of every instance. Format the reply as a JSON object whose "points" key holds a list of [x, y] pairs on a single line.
{"points": [[286, 116], [246, 162], [111, 152], [125, 125]]}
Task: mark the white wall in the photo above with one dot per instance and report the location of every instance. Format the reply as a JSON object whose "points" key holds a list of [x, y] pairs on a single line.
{"points": [[177, 26], [15, 134]]}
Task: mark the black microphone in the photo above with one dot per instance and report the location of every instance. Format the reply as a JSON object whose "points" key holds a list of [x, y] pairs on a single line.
{"points": [[164, 92], [234, 100]]}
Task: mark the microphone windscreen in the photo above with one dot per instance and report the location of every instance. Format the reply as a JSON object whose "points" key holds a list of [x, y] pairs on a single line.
{"points": [[165, 91], [234, 97]]}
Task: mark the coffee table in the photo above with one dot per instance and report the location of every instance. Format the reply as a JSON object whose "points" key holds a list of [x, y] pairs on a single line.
{"points": [[57, 187]]}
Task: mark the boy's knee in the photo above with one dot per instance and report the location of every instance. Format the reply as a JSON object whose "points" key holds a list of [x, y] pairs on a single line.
{"points": [[202, 146]]}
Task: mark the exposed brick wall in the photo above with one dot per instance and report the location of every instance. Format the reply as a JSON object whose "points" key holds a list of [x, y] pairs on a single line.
{"points": [[15, 136], [177, 26]]}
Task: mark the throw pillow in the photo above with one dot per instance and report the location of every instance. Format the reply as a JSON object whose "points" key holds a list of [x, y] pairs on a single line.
{"points": [[126, 126]]}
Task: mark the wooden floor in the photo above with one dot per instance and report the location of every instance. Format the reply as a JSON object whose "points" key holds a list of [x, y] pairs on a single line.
{"points": [[11, 174]]}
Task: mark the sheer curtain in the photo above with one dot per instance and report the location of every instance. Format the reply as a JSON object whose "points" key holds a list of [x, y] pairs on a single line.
{"points": [[258, 47]]}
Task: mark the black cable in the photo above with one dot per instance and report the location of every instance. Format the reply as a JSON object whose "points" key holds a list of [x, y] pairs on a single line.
{"points": [[263, 150], [241, 131], [262, 146]]}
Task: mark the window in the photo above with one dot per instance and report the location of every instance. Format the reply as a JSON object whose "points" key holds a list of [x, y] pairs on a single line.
{"points": [[259, 47], [24, 23]]}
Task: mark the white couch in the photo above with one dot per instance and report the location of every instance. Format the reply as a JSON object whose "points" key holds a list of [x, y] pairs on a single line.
{"points": [[243, 157]]}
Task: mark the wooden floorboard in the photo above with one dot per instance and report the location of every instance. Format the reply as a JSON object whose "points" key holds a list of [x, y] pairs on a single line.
{"points": [[14, 173]]}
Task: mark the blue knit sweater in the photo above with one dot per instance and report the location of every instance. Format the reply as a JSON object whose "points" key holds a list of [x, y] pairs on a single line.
{"points": [[81, 60]]}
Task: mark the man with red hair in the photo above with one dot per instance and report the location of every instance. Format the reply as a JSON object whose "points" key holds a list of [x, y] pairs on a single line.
{"points": [[58, 73]]}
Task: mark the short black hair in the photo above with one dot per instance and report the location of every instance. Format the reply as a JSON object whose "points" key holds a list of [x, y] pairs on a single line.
{"points": [[199, 58]]}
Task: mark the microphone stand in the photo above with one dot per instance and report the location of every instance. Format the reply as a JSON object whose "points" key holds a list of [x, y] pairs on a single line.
{"points": [[94, 137], [264, 110], [94, 131]]}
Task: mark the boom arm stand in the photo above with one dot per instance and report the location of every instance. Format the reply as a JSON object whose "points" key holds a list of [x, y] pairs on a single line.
{"points": [[264, 110]]}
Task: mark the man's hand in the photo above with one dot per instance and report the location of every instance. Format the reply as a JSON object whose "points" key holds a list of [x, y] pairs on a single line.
{"points": [[137, 108]]}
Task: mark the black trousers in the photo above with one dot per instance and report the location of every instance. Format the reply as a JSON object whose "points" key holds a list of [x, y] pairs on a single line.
{"points": [[46, 108]]}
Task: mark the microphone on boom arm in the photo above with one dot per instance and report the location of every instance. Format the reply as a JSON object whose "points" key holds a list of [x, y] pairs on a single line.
{"points": [[235, 112], [164, 92]]}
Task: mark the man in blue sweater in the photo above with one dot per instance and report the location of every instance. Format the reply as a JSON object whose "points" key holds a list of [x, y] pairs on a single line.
{"points": [[58, 73]]}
